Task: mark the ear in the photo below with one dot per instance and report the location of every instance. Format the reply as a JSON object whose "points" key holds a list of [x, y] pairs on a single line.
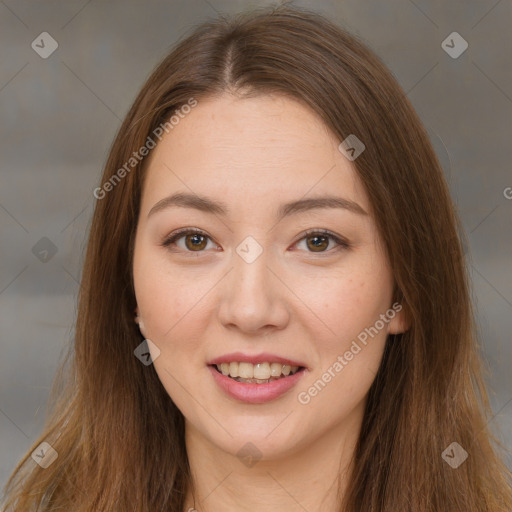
{"points": [[142, 328], [138, 320], [401, 322]]}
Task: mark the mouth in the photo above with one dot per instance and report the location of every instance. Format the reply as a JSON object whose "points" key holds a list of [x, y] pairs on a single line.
{"points": [[256, 378], [259, 373]]}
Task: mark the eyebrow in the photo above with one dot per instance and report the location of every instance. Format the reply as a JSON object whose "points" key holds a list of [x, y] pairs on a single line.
{"points": [[208, 205]]}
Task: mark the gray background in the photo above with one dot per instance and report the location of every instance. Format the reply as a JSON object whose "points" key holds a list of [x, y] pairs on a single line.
{"points": [[60, 114]]}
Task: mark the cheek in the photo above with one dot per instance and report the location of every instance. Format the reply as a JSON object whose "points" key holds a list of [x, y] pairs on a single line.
{"points": [[165, 297], [350, 351], [348, 304], [170, 306]]}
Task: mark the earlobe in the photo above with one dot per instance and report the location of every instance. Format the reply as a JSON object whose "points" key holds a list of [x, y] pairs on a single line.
{"points": [[138, 320], [142, 328], [401, 322]]}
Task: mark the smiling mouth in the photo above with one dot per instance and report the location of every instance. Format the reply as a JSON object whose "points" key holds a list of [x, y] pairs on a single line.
{"points": [[260, 373]]}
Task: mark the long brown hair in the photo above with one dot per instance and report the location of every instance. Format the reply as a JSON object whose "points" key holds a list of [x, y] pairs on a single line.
{"points": [[119, 436]]}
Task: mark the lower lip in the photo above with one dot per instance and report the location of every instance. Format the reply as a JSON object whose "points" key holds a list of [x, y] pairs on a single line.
{"points": [[255, 393]]}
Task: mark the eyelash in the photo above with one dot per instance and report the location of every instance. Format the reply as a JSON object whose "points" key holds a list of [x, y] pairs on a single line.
{"points": [[342, 244]]}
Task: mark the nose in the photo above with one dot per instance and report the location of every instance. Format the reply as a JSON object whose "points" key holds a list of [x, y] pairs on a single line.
{"points": [[253, 297]]}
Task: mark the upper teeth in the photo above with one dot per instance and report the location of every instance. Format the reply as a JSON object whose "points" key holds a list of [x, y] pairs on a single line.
{"points": [[256, 371]]}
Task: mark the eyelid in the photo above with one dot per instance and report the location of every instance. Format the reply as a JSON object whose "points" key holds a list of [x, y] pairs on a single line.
{"points": [[341, 242], [179, 233]]}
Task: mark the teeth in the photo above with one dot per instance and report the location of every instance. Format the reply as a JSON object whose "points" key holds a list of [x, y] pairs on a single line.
{"points": [[260, 373], [246, 370], [233, 369], [275, 369]]}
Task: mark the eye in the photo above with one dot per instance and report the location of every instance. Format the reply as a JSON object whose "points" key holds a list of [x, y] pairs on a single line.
{"points": [[195, 240], [318, 240]]}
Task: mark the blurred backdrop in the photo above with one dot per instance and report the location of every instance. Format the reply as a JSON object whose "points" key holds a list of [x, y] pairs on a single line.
{"points": [[68, 74]]}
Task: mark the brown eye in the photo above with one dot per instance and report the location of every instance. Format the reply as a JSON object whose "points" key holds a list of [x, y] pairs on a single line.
{"points": [[318, 243], [195, 242]]}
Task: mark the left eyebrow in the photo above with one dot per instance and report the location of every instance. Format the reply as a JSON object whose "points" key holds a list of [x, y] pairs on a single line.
{"points": [[313, 203], [208, 205]]}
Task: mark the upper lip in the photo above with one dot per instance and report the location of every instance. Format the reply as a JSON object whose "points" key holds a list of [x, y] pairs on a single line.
{"points": [[263, 357]]}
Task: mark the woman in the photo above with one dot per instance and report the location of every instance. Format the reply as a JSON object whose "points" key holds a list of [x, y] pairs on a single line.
{"points": [[317, 352]]}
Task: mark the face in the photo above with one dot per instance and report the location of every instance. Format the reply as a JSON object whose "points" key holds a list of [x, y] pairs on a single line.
{"points": [[251, 264]]}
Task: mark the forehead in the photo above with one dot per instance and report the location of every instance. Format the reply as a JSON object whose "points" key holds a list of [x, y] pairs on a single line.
{"points": [[266, 148]]}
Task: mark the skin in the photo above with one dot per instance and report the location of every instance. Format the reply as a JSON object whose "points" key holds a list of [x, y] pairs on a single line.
{"points": [[254, 154]]}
